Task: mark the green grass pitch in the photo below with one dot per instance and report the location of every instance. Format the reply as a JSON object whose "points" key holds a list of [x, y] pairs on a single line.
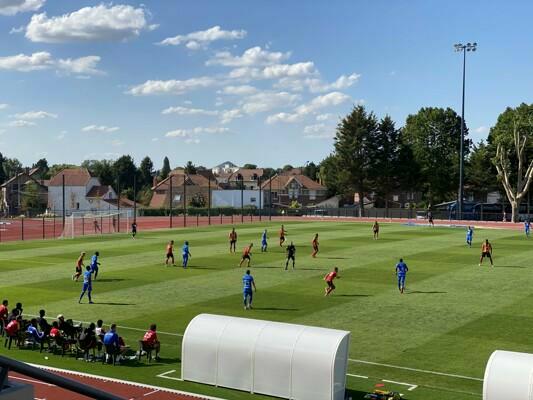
{"points": [[438, 336]]}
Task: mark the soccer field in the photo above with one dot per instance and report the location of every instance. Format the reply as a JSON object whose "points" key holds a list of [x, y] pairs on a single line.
{"points": [[433, 341]]}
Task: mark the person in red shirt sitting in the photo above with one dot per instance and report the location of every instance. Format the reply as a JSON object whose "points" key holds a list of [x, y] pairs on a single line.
{"points": [[151, 341], [12, 329], [4, 313]]}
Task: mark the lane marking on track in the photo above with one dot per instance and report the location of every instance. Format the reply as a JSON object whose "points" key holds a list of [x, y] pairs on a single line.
{"points": [[31, 381], [152, 392], [132, 383], [411, 386], [424, 371], [164, 376]]}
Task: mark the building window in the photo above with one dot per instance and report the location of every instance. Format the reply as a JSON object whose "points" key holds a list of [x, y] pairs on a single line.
{"points": [[312, 195], [275, 195], [395, 197], [252, 199], [77, 206]]}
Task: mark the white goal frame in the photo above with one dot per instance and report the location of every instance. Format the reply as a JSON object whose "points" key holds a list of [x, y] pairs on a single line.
{"points": [[116, 217]]}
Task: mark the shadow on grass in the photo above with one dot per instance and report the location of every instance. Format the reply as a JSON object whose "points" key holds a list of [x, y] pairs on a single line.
{"points": [[114, 304], [422, 292], [275, 309], [145, 364], [354, 394], [201, 267], [110, 280], [354, 295], [509, 266], [336, 258]]}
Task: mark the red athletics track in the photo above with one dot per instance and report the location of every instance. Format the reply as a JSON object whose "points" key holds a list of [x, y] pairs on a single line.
{"points": [[38, 228], [123, 389]]}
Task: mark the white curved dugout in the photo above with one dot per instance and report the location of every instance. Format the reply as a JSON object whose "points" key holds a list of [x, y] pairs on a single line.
{"points": [[272, 358], [508, 376]]}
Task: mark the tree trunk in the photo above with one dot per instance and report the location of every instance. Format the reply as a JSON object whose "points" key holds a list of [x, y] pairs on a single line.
{"points": [[514, 211]]}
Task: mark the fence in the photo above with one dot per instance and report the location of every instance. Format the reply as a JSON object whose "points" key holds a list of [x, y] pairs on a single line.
{"points": [[52, 227]]}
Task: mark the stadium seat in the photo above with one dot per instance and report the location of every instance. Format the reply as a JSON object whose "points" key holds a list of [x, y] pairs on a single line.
{"points": [[143, 347], [111, 351]]}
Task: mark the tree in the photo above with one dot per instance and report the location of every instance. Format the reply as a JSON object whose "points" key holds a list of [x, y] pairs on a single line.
{"points": [[513, 138], [125, 171], [268, 173], [385, 161], [327, 175], [190, 168], [311, 170], [434, 135], [146, 170], [287, 167], [42, 165], [2, 172], [57, 168], [12, 167], [355, 149], [249, 166], [480, 171], [166, 169], [102, 169], [31, 199]]}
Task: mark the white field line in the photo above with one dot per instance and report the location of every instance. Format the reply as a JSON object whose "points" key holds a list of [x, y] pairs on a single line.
{"points": [[358, 376], [164, 375], [409, 385], [136, 384], [424, 371], [31, 381]]}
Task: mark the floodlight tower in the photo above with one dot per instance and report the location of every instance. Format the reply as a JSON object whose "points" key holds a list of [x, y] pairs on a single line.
{"points": [[459, 47]]}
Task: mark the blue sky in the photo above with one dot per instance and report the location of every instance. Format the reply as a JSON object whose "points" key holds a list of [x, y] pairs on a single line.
{"points": [[263, 82]]}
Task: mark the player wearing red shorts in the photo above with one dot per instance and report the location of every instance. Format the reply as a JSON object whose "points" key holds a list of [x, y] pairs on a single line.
{"points": [[329, 280], [79, 267]]}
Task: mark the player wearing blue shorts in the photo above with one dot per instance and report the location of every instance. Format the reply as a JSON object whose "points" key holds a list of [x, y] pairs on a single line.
{"points": [[527, 226], [264, 243], [186, 254], [469, 235], [248, 282], [401, 271], [95, 264], [87, 285]]}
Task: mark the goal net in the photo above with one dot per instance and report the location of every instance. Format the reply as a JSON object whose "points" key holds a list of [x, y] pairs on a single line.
{"points": [[81, 223]]}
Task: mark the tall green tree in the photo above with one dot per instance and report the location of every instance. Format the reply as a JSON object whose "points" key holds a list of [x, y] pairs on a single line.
{"points": [[12, 167], [328, 175], [385, 161], [146, 170], [249, 166], [355, 148], [102, 169], [56, 168], [190, 168], [480, 172], [166, 168], [2, 172], [311, 170], [31, 200], [434, 135], [513, 138], [125, 172], [42, 164]]}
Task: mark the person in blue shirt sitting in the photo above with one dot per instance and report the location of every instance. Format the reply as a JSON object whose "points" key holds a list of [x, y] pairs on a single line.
{"points": [[401, 271], [33, 332], [186, 254], [112, 341]]}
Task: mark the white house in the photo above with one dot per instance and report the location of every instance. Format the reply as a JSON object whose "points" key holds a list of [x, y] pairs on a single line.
{"points": [[225, 168], [83, 192]]}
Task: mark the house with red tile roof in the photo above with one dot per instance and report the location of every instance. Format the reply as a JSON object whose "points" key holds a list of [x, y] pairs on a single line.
{"points": [[283, 189], [83, 192], [178, 185], [12, 190], [248, 178]]}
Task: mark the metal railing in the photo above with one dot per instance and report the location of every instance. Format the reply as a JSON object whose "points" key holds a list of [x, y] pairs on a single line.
{"points": [[8, 364]]}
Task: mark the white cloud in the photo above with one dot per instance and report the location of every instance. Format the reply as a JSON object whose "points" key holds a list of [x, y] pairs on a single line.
{"points": [[61, 135], [266, 101], [192, 141], [155, 139], [100, 128], [319, 102], [12, 7], [43, 60], [21, 124], [229, 115], [242, 90], [200, 39], [34, 115], [98, 23], [152, 87], [188, 133], [116, 142], [481, 129], [3, 106], [253, 57], [276, 71], [315, 85], [188, 111], [324, 117], [319, 131], [20, 29], [2, 131]]}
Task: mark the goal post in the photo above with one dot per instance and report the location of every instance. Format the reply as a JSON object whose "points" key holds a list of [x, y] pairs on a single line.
{"points": [[80, 223]]}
